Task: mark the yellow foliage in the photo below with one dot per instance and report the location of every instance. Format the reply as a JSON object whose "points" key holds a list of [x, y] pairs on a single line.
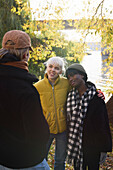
{"points": [[13, 9], [18, 2]]}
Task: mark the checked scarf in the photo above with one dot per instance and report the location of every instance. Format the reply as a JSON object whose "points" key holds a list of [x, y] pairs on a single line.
{"points": [[76, 112]]}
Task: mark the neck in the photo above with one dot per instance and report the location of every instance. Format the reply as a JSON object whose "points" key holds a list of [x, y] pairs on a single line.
{"points": [[82, 89], [52, 81]]}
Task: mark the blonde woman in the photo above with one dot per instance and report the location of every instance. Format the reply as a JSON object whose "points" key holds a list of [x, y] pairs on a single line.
{"points": [[53, 90]]}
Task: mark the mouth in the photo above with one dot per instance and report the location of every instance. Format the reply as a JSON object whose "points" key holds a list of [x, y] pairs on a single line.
{"points": [[51, 74]]}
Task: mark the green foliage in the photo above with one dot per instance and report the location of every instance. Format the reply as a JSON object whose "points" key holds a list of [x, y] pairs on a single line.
{"points": [[48, 41], [12, 15], [101, 22]]}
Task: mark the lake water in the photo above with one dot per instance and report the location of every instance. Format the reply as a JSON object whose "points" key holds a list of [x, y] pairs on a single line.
{"points": [[93, 66]]}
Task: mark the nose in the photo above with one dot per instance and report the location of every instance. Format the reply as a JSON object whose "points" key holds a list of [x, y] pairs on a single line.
{"points": [[70, 78], [53, 69]]}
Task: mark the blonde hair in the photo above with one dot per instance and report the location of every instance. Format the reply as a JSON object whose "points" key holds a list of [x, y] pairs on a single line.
{"points": [[56, 60], [17, 52]]}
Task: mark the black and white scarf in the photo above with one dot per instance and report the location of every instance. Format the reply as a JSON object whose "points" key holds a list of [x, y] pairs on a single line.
{"points": [[76, 112]]}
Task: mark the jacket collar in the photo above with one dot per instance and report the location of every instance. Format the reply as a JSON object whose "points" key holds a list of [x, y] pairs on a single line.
{"points": [[9, 58], [47, 81], [14, 72], [7, 71]]}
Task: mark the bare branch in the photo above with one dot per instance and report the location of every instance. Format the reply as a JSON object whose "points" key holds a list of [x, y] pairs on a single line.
{"points": [[100, 5]]}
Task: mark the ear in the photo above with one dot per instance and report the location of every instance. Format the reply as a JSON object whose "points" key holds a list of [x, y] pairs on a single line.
{"points": [[82, 76], [24, 56]]}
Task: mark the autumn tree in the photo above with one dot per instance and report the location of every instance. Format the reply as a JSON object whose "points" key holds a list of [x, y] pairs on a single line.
{"points": [[48, 41], [12, 15], [99, 20]]}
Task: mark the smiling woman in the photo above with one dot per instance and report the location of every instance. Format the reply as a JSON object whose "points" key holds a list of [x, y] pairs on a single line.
{"points": [[53, 71], [84, 108], [54, 68], [53, 90]]}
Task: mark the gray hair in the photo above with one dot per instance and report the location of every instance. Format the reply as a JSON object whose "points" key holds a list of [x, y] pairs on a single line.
{"points": [[18, 52], [56, 60]]}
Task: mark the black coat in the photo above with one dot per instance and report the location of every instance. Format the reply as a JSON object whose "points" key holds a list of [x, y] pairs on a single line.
{"points": [[96, 130], [24, 131]]}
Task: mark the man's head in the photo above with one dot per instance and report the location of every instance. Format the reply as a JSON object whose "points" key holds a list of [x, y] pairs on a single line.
{"points": [[16, 42], [75, 74], [16, 39], [55, 66]]}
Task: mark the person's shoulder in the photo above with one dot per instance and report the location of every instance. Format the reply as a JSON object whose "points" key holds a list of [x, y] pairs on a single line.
{"points": [[38, 83], [98, 100], [65, 81]]}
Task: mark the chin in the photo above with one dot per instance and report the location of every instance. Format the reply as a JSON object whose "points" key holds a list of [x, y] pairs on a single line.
{"points": [[74, 86]]}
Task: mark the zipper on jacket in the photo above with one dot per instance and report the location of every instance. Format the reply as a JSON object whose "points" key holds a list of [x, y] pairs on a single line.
{"points": [[55, 107]]}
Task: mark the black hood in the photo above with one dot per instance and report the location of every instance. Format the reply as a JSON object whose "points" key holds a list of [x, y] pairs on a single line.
{"points": [[18, 73], [9, 58]]}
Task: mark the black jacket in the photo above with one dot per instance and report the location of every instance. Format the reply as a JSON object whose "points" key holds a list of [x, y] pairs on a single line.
{"points": [[96, 130], [24, 131]]}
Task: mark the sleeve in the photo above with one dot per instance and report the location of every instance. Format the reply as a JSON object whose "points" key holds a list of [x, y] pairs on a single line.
{"points": [[101, 123]]}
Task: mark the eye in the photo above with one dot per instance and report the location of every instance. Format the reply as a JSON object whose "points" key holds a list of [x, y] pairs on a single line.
{"points": [[71, 74], [57, 68], [50, 66]]}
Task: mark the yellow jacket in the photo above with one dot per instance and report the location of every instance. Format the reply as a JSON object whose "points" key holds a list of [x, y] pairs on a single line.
{"points": [[53, 101]]}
